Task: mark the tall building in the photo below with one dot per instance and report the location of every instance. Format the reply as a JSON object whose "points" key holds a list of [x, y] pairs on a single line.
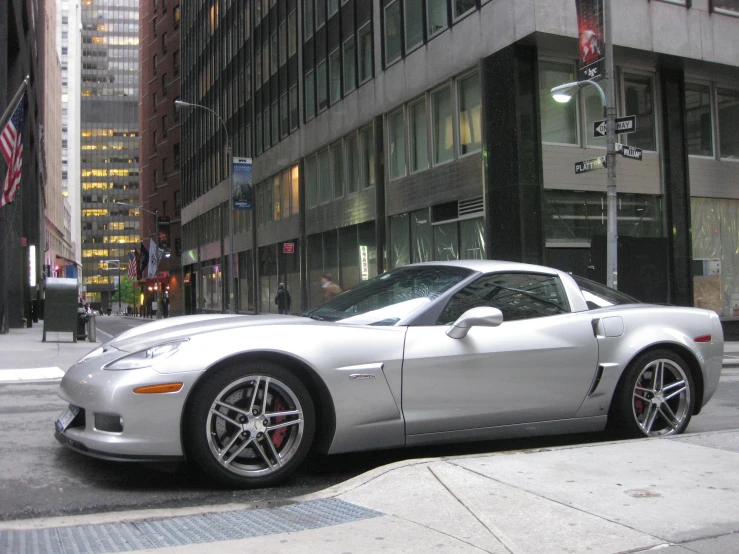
{"points": [[58, 247], [109, 150], [69, 42], [22, 221], [385, 132], [159, 123]]}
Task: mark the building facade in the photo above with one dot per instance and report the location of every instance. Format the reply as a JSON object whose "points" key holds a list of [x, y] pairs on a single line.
{"points": [[387, 132], [160, 155], [22, 221], [109, 149]]}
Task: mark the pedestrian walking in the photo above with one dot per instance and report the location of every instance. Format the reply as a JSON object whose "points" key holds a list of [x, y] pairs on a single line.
{"points": [[282, 299], [330, 289]]}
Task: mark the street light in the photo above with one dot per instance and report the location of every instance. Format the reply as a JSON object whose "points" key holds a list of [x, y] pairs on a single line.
{"points": [[179, 104], [563, 94]]}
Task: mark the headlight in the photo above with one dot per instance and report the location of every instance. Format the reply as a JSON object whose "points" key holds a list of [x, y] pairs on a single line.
{"points": [[145, 358], [94, 354]]}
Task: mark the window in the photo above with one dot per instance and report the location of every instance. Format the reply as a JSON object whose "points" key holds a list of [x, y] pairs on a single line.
{"points": [[320, 12], [294, 177], [517, 295], [413, 23], [396, 145], [350, 66], [276, 198], [334, 68], [176, 62], [310, 95], [337, 169], [324, 177], [311, 181], [283, 43], [441, 121], [294, 107], [461, 7], [558, 121], [292, 32], [176, 17], [164, 42], [275, 123], [417, 134], [154, 102], [392, 32], [639, 101], [728, 123], [352, 163], [307, 19], [259, 134], [176, 151], [258, 68], [470, 139], [699, 131], [283, 115], [164, 126], [164, 84], [728, 7], [365, 53], [265, 63], [285, 194], [367, 136], [266, 121], [333, 7], [321, 84]]}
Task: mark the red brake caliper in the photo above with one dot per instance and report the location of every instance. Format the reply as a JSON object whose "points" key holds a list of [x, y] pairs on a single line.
{"points": [[278, 435]]}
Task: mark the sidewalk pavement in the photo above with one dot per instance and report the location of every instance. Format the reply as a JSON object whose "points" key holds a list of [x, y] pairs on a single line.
{"points": [[670, 496]]}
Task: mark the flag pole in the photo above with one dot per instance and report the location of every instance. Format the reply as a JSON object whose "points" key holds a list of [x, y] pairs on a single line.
{"points": [[7, 114]]}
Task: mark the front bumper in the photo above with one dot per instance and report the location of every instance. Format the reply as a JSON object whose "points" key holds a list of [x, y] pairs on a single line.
{"points": [[151, 422]]}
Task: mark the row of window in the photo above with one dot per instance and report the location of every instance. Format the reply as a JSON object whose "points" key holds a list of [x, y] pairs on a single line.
{"points": [[279, 196], [343, 168], [431, 122]]}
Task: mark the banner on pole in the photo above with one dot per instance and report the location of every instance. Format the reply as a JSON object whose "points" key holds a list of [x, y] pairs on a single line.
{"points": [[163, 227], [591, 39], [243, 188]]}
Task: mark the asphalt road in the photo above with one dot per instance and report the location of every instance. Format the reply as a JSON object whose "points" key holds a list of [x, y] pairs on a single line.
{"points": [[38, 477]]}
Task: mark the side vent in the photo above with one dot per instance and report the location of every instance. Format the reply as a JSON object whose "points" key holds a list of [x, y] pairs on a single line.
{"points": [[596, 381], [473, 206]]}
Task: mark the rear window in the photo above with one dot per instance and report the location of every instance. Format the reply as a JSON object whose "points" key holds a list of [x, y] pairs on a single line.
{"points": [[600, 296]]}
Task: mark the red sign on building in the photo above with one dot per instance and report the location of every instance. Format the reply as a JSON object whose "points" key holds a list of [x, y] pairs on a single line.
{"points": [[288, 248]]}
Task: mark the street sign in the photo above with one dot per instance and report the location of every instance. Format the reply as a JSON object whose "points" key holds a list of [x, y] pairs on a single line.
{"points": [[590, 165], [623, 125], [288, 248], [631, 152]]}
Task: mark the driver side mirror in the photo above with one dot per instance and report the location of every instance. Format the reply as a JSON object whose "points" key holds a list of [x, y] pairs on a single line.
{"points": [[483, 316]]}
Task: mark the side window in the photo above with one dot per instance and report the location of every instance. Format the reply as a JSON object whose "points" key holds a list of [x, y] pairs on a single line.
{"points": [[517, 295]]}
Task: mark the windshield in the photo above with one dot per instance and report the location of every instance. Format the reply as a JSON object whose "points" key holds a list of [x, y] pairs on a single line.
{"points": [[390, 297], [600, 296]]}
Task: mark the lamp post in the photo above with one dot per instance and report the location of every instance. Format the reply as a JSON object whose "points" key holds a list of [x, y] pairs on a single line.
{"points": [[155, 213], [230, 296], [564, 93]]}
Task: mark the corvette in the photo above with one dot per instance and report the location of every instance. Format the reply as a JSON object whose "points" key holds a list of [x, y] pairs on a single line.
{"points": [[439, 352]]}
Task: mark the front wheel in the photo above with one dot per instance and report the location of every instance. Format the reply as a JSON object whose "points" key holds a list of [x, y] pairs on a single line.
{"points": [[250, 426], [656, 396]]}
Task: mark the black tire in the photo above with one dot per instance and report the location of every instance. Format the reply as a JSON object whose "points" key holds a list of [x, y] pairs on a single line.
{"points": [[636, 398], [254, 464]]}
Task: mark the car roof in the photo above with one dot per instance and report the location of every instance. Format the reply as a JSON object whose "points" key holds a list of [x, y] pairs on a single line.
{"points": [[485, 266]]}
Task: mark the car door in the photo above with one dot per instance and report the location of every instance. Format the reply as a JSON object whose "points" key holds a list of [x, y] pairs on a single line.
{"points": [[536, 366]]}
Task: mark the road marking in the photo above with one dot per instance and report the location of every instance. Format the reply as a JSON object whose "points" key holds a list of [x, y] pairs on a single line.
{"points": [[99, 330], [30, 374]]}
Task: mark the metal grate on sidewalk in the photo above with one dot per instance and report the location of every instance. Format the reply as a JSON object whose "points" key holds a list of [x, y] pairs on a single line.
{"points": [[181, 531]]}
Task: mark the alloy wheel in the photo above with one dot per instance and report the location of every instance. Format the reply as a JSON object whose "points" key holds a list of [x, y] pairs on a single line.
{"points": [[661, 398]]}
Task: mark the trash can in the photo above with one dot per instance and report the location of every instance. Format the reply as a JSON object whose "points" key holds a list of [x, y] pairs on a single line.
{"points": [[82, 318], [91, 328]]}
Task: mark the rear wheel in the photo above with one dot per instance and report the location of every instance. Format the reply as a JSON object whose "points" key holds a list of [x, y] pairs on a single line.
{"points": [[250, 425], [656, 396]]}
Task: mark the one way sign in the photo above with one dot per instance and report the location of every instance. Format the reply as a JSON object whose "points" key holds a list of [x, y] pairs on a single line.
{"points": [[623, 125]]}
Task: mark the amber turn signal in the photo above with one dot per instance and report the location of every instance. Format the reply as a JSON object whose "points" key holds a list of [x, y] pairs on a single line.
{"points": [[157, 389]]}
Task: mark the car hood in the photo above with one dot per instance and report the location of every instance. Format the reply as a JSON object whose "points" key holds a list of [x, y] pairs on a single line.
{"points": [[164, 330]]}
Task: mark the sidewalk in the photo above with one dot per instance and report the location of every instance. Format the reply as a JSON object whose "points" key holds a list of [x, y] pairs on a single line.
{"points": [[677, 496]]}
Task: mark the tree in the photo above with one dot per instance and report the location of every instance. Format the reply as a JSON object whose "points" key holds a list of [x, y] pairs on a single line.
{"points": [[126, 291]]}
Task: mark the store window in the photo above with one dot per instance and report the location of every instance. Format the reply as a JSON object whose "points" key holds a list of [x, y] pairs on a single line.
{"points": [[420, 236], [324, 177], [392, 32], [639, 101], [352, 163], [350, 66], [334, 67], [337, 169], [417, 135], [413, 23], [365, 53], [436, 16], [728, 123], [321, 85], [698, 127], [396, 144], [441, 120], [470, 133], [558, 120]]}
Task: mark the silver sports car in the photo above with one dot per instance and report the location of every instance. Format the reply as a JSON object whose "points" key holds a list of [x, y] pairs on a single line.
{"points": [[427, 353]]}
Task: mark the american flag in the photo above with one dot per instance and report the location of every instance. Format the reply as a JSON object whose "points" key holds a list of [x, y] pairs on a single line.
{"points": [[132, 266], [12, 148]]}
